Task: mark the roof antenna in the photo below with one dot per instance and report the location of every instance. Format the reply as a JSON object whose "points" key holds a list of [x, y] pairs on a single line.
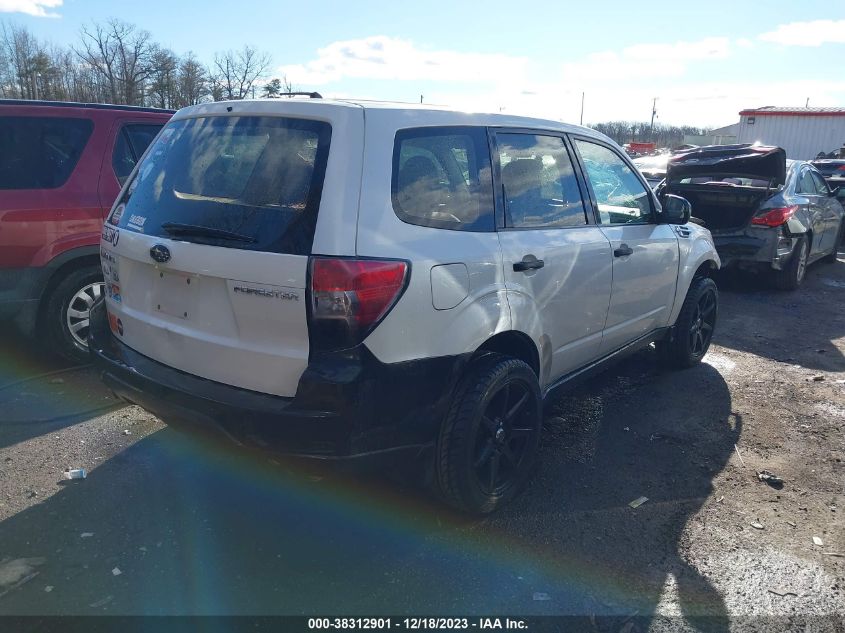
{"points": [[421, 98], [807, 105]]}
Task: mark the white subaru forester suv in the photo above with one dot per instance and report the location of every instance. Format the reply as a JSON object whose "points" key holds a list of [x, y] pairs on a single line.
{"points": [[340, 279]]}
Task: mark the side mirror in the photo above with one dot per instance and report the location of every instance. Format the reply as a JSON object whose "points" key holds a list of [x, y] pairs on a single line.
{"points": [[839, 192], [676, 210]]}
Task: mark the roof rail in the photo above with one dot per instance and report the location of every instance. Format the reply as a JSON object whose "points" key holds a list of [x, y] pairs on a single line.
{"points": [[75, 104], [310, 95]]}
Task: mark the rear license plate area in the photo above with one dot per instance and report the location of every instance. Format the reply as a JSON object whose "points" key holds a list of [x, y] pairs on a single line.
{"points": [[175, 294]]}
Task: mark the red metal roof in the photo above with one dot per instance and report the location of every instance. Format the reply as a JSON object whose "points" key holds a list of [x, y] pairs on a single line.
{"points": [[779, 111]]}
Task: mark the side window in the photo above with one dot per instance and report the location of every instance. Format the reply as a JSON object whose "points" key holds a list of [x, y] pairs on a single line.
{"points": [[123, 160], [821, 185], [140, 136], [621, 197], [806, 184], [40, 152], [540, 187], [132, 140], [442, 178]]}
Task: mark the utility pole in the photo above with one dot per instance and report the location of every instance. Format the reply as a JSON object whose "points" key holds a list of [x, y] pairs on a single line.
{"points": [[653, 114], [582, 108]]}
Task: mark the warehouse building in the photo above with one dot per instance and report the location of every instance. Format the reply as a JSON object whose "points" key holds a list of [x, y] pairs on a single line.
{"points": [[803, 132]]}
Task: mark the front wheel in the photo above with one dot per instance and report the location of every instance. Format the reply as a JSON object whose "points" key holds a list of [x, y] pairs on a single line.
{"points": [[489, 440], [694, 327]]}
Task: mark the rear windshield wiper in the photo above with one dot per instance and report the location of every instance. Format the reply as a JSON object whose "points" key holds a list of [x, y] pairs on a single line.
{"points": [[177, 228]]}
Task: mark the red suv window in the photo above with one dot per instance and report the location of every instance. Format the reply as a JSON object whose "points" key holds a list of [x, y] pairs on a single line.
{"points": [[40, 152], [131, 143]]}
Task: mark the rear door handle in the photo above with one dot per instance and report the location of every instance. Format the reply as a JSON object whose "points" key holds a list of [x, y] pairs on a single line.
{"points": [[530, 264], [623, 250]]}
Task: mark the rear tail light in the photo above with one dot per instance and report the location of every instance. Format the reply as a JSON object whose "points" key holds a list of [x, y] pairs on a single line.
{"points": [[349, 297], [842, 168], [774, 217]]}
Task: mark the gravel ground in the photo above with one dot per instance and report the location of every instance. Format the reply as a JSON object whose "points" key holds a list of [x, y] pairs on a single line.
{"points": [[173, 524]]}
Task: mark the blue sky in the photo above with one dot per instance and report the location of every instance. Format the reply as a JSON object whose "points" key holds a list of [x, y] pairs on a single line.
{"points": [[703, 63]]}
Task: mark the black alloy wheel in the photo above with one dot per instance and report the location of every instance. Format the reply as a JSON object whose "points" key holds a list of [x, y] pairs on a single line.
{"points": [[504, 437]]}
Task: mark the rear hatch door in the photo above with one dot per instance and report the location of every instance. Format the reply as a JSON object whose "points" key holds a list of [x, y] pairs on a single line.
{"points": [[206, 253]]}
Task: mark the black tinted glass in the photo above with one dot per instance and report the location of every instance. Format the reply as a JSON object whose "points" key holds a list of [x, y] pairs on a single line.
{"points": [[40, 152], [123, 159], [130, 144], [141, 136], [442, 178], [257, 177]]}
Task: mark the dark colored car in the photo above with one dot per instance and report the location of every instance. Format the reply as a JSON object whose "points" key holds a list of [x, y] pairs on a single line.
{"points": [[832, 169], [61, 167], [765, 213], [653, 168]]}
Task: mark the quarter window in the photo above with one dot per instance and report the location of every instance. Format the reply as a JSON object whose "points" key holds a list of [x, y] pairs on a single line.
{"points": [[821, 185], [621, 197], [538, 181], [442, 178], [131, 143], [40, 152], [806, 184]]}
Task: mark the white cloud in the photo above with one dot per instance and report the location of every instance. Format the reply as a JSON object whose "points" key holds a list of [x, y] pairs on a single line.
{"points": [[619, 84], [812, 33], [646, 60], [390, 58], [38, 8]]}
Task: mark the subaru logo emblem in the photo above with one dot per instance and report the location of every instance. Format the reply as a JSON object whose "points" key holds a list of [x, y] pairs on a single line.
{"points": [[160, 253]]}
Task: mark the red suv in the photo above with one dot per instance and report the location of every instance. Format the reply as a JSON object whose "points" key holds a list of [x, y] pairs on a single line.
{"points": [[61, 167]]}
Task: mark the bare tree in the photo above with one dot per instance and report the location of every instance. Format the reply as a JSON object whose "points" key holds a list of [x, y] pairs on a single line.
{"points": [[235, 72], [121, 54], [192, 81], [20, 50], [163, 81]]}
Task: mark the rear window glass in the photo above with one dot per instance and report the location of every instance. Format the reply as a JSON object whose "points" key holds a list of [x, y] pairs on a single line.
{"points": [[246, 182], [442, 178], [40, 152]]}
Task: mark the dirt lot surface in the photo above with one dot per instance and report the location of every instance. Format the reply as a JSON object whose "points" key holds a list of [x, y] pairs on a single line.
{"points": [[172, 524]]}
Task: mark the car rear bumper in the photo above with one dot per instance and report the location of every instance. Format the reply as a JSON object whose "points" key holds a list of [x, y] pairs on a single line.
{"points": [[348, 404], [755, 247]]}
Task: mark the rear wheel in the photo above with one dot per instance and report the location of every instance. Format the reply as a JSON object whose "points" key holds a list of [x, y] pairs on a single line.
{"points": [[488, 442], [67, 312], [791, 276], [694, 327]]}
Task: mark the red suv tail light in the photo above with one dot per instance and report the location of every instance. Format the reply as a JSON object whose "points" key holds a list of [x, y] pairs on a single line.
{"points": [[349, 297], [774, 217]]}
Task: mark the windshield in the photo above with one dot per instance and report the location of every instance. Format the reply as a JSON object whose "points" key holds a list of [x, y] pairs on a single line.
{"points": [[258, 177]]}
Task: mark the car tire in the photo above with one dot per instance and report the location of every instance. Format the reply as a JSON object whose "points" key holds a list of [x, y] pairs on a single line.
{"points": [[488, 442], [694, 327], [792, 275], [65, 316], [831, 257]]}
